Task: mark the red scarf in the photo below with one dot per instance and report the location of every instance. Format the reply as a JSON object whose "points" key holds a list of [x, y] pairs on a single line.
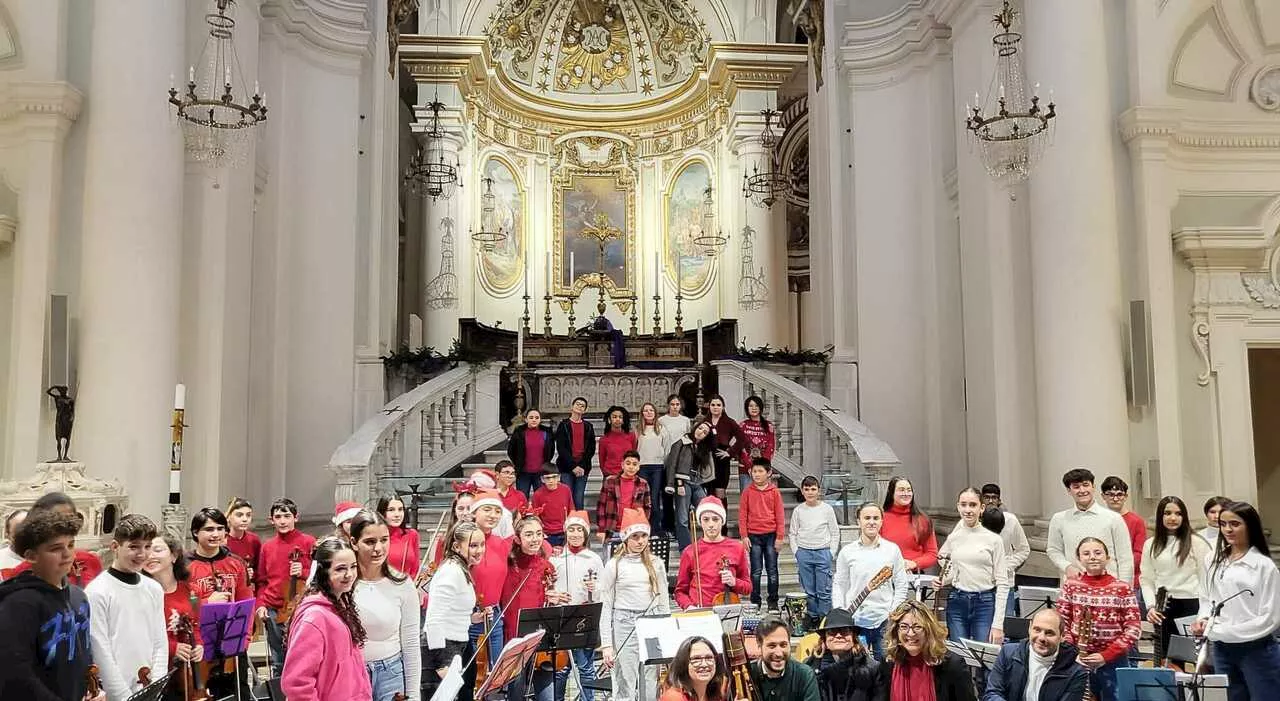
{"points": [[912, 681]]}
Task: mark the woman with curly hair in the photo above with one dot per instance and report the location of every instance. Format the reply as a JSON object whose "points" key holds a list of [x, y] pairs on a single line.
{"points": [[324, 660], [917, 664], [618, 439], [697, 673]]}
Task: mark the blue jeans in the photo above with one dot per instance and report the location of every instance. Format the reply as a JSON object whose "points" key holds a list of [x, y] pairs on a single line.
{"points": [[1102, 681], [693, 493], [387, 678], [815, 578], [764, 556], [585, 662], [555, 539], [528, 482], [275, 643], [577, 487], [873, 639], [542, 683], [744, 481], [656, 476], [1252, 668], [969, 614], [496, 639]]}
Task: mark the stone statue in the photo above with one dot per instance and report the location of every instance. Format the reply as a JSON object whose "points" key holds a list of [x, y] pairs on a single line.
{"points": [[65, 406]]}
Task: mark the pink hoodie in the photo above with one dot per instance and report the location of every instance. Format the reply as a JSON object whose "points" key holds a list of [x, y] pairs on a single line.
{"points": [[322, 664]]}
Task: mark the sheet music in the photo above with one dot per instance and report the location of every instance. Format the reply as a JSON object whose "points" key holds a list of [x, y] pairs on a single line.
{"points": [[663, 634], [452, 682]]}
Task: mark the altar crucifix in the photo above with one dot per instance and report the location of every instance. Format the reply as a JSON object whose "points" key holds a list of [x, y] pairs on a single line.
{"points": [[603, 231]]}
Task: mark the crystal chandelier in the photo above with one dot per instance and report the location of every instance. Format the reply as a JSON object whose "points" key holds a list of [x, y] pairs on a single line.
{"points": [[763, 188], [490, 233], [216, 127], [429, 174], [1012, 133], [709, 240]]}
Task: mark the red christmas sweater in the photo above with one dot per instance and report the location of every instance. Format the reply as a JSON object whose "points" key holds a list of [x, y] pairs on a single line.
{"points": [[525, 588], [708, 558], [274, 564], [177, 606], [1114, 612], [85, 567], [753, 437], [247, 548], [222, 572]]}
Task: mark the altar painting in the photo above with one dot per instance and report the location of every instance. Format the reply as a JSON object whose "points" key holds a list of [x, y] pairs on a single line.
{"points": [[590, 208], [502, 266], [684, 261]]}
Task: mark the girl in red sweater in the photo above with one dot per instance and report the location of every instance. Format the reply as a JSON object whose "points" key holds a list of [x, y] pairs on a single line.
{"points": [[529, 585], [168, 566], [757, 439], [907, 527], [1112, 610], [616, 441], [403, 552]]}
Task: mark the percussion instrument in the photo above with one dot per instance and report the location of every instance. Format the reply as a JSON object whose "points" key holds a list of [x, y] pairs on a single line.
{"points": [[795, 608]]}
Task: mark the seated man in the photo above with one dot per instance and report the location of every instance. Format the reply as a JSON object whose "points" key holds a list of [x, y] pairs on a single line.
{"points": [[845, 671], [1041, 667], [776, 675]]}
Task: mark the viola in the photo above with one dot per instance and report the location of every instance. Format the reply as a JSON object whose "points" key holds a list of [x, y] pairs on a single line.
{"points": [[728, 596], [193, 688], [291, 595], [559, 660]]}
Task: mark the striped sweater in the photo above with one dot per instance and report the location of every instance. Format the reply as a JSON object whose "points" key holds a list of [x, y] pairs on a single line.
{"points": [[1114, 608]]}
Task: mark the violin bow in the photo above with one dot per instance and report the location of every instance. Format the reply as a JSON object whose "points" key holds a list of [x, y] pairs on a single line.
{"points": [[502, 610], [697, 564], [434, 534]]}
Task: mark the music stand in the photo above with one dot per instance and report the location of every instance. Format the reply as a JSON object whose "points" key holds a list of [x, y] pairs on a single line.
{"points": [[1181, 649], [1032, 600], [152, 691], [1016, 628], [566, 628], [1146, 684], [511, 662], [1202, 687], [225, 628]]}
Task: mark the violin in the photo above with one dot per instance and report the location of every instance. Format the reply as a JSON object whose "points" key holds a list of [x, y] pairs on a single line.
{"points": [[144, 677], [291, 595], [193, 688], [559, 660], [92, 684], [728, 596]]}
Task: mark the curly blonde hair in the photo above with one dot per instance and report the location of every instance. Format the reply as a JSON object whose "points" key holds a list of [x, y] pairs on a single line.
{"points": [[935, 648]]}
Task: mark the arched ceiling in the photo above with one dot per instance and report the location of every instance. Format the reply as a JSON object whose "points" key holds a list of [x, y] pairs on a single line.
{"points": [[597, 52]]}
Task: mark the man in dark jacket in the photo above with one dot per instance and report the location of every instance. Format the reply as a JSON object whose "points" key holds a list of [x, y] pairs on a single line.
{"points": [[776, 675], [845, 671], [1042, 662], [44, 652]]}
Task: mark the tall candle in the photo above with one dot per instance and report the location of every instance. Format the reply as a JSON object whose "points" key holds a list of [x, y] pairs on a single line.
{"points": [[550, 282], [180, 397], [520, 345], [699, 341], [657, 274], [573, 268]]}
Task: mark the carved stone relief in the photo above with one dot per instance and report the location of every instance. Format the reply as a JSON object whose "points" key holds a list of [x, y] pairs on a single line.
{"points": [[1265, 90]]}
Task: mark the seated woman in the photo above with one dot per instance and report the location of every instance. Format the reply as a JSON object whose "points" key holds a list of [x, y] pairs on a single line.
{"points": [[697, 673], [917, 664], [845, 671]]}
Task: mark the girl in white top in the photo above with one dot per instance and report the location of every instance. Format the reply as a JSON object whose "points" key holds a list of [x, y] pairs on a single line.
{"points": [[1172, 570], [674, 423], [577, 570], [652, 446], [977, 573], [451, 603], [632, 584], [387, 603], [1242, 631], [857, 565]]}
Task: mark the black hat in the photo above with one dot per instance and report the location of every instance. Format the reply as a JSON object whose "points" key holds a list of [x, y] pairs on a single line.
{"points": [[836, 618]]}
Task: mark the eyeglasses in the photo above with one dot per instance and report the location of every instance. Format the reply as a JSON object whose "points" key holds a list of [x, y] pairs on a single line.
{"points": [[1113, 494], [910, 628], [703, 660]]}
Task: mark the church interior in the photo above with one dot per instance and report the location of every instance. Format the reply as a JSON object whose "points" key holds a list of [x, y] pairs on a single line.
{"points": [[332, 249]]}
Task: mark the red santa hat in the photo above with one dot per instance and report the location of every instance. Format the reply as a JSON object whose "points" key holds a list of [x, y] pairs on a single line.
{"points": [[577, 518], [484, 479], [633, 521], [486, 497], [713, 505], [345, 511]]}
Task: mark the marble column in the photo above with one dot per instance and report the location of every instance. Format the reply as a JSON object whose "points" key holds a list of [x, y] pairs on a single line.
{"points": [[442, 264], [765, 325], [131, 249], [1075, 256]]}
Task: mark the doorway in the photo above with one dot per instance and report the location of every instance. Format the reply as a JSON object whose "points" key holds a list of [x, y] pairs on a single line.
{"points": [[1264, 393]]}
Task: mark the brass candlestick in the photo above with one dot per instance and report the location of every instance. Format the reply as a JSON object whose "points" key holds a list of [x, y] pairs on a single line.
{"points": [[699, 368], [600, 305], [517, 376], [679, 314], [657, 318], [525, 318], [573, 301], [546, 318], [634, 331]]}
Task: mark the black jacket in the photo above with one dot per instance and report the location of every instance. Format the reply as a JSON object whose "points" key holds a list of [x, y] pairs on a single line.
{"points": [[515, 446], [951, 680], [1008, 678], [683, 465], [851, 679], [44, 651], [564, 446]]}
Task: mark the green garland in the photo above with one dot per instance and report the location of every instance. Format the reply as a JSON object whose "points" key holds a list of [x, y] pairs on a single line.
{"points": [[784, 355], [429, 361]]}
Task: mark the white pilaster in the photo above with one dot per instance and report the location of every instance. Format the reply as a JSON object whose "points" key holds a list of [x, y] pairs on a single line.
{"points": [[128, 306], [440, 321], [1075, 261], [765, 325]]}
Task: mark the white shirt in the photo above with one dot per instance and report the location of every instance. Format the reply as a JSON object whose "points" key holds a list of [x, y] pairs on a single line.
{"points": [[978, 564], [1069, 526], [126, 632], [815, 528], [856, 565], [1037, 669], [1210, 534], [9, 559], [1182, 581], [572, 570], [652, 446], [450, 601], [624, 584], [389, 613], [1245, 618], [1017, 547], [673, 427]]}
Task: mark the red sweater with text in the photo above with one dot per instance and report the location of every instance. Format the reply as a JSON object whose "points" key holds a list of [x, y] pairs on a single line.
{"points": [[701, 562], [524, 588], [916, 540], [273, 567], [754, 440], [491, 573], [177, 606], [222, 572], [1114, 612], [247, 548], [611, 447], [761, 511], [556, 505]]}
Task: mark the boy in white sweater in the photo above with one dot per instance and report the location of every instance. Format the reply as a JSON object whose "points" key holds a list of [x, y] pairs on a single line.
{"points": [[126, 624], [815, 540]]}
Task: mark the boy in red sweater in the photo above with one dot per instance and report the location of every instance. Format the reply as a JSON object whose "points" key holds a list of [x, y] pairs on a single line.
{"points": [[242, 542], [216, 576], [762, 524], [555, 503], [621, 492], [285, 560], [713, 564]]}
